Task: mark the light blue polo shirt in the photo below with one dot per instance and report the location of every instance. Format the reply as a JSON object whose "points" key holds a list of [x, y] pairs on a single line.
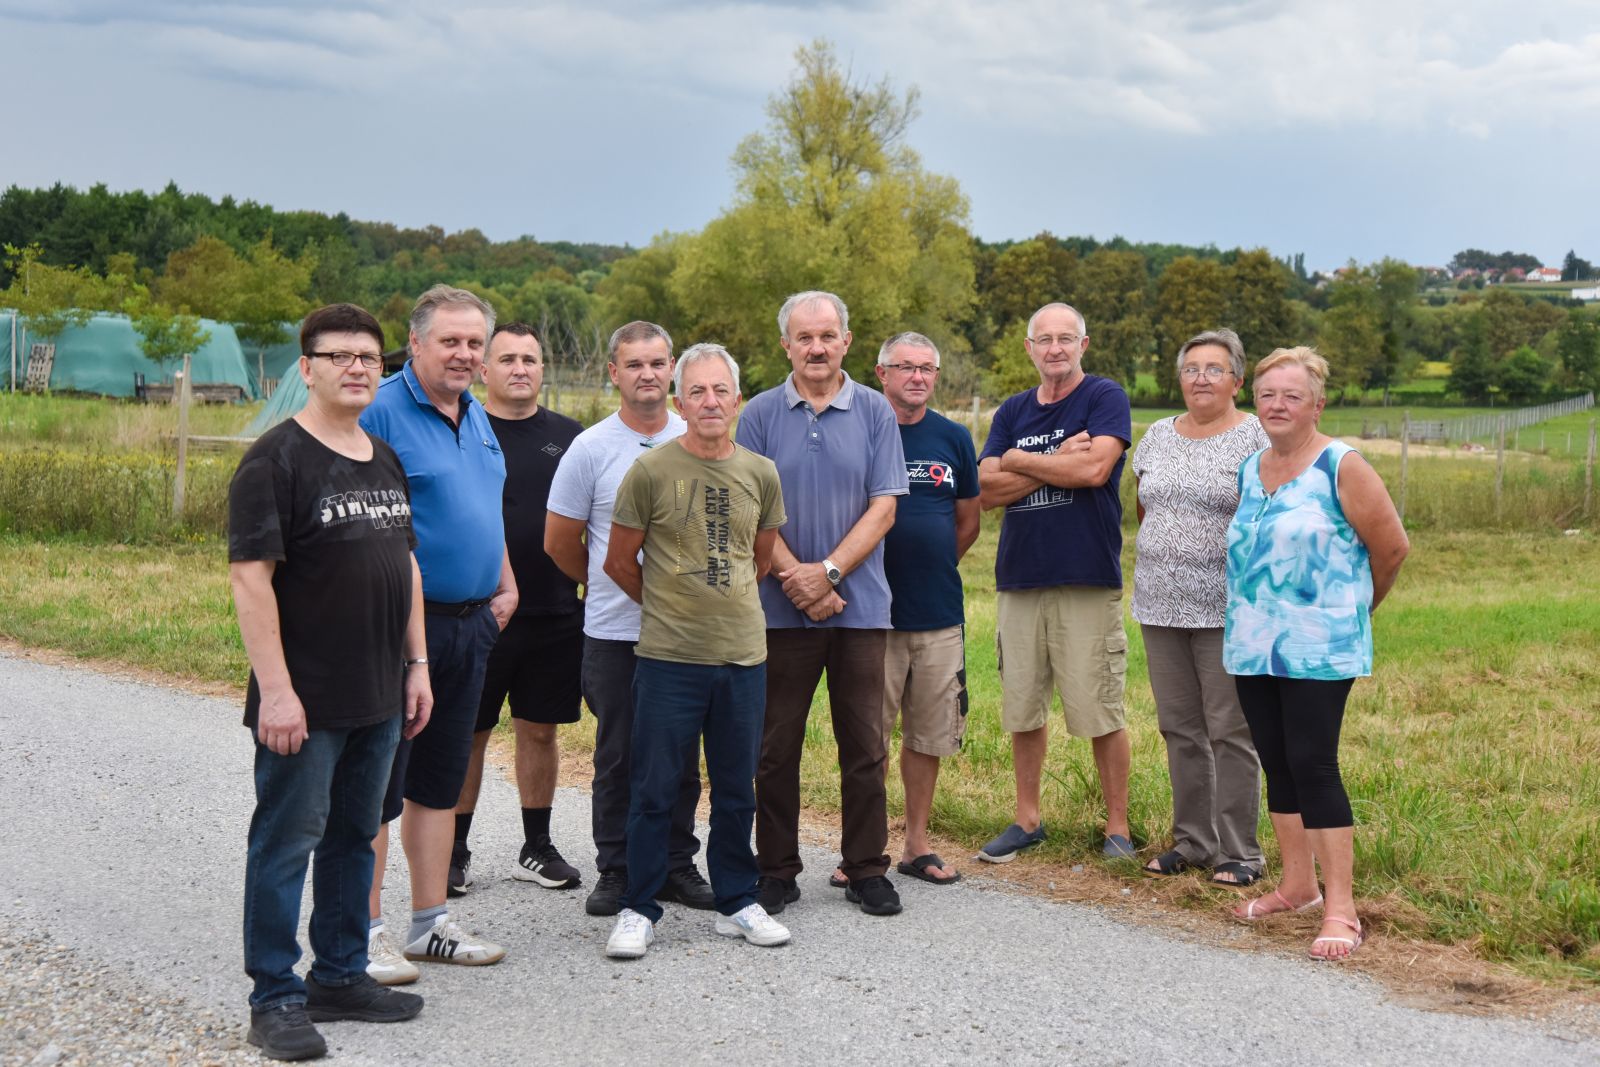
{"points": [[830, 464], [456, 476]]}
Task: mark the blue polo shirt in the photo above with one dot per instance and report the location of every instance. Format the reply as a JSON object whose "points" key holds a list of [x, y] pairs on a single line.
{"points": [[831, 463], [456, 474]]}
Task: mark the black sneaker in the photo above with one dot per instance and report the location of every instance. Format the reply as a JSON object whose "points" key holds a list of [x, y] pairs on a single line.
{"points": [[286, 1033], [687, 887], [775, 894], [876, 895], [540, 862], [460, 873], [606, 897], [363, 999]]}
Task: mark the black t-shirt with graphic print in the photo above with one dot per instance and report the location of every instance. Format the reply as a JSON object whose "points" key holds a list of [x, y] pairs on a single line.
{"points": [[340, 532]]}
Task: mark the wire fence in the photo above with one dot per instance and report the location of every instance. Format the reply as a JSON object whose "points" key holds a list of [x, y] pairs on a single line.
{"points": [[1474, 427]]}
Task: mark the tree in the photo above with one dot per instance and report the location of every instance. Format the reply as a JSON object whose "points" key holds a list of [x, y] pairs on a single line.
{"points": [[1027, 276], [1574, 269], [1113, 295], [1472, 370], [47, 298], [1523, 376], [1191, 297], [165, 335], [1512, 320], [829, 197], [640, 287], [1258, 306], [1578, 348]]}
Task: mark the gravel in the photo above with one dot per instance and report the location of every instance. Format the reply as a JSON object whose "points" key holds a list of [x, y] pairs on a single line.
{"points": [[122, 858]]}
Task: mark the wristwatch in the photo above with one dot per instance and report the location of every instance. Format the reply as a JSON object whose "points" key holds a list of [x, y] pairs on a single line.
{"points": [[835, 576]]}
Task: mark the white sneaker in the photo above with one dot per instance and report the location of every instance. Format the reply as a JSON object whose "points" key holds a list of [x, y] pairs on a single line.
{"points": [[384, 964], [446, 942], [752, 923], [631, 936]]}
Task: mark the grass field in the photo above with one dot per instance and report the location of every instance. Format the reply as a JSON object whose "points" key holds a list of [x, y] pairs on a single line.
{"points": [[1469, 754]]}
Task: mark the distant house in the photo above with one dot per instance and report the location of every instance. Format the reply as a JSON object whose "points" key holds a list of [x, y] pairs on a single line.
{"points": [[1544, 274]]}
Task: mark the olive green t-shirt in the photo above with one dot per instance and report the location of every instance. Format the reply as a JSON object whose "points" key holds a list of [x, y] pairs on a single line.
{"points": [[700, 518]]}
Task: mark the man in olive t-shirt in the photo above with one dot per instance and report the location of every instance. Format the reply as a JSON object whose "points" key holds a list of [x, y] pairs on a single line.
{"points": [[706, 513]]}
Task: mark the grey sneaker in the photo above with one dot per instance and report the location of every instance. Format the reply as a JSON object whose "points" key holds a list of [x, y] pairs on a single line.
{"points": [[1012, 840], [286, 1033], [460, 870]]}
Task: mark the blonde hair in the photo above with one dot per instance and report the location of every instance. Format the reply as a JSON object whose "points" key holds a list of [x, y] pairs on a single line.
{"points": [[1300, 356]]}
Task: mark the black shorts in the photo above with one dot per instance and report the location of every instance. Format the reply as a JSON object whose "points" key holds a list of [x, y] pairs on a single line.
{"points": [[430, 768], [538, 664]]}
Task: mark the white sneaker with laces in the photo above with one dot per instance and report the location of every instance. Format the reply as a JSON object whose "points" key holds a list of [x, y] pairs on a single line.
{"points": [[384, 964], [445, 942], [631, 936], [752, 923]]}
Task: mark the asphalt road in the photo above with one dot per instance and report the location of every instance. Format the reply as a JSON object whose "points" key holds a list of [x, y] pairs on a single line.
{"points": [[125, 807]]}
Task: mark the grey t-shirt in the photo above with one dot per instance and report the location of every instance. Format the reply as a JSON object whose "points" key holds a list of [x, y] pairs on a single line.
{"points": [[1190, 490], [585, 488]]}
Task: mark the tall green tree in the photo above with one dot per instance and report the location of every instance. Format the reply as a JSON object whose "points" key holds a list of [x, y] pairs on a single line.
{"points": [[1472, 371], [1113, 295], [1511, 320], [831, 197], [1523, 376], [1027, 276], [1259, 310], [1191, 297], [1578, 348]]}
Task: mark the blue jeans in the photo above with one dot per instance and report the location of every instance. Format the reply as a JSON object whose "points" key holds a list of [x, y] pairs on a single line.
{"points": [[325, 800], [675, 705]]}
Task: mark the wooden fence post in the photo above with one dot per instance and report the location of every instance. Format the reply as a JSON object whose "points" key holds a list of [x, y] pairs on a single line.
{"points": [[181, 396], [1499, 463], [1405, 452]]}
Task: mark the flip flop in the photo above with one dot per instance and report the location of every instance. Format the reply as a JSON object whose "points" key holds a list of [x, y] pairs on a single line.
{"points": [[835, 881], [1168, 863], [918, 868], [1353, 942], [1250, 914]]}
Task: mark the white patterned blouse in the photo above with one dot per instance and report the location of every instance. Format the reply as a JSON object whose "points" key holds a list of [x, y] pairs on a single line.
{"points": [[1189, 489]]}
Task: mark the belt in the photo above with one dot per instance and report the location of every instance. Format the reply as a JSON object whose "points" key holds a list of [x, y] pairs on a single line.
{"points": [[459, 609]]}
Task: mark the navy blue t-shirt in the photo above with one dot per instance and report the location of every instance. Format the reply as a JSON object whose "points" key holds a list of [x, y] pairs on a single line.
{"points": [[919, 552], [1062, 536]]}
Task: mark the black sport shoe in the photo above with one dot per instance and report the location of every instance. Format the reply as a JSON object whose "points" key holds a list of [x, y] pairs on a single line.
{"points": [[686, 886], [363, 999], [286, 1033], [606, 896], [775, 894], [540, 862], [460, 873], [876, 895]]}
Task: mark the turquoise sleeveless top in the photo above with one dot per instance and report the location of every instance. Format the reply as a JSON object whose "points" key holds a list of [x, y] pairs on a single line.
{"points": [[1299, 579]]}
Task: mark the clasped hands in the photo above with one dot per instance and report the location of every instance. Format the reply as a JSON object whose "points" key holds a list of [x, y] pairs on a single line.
{"points": [[807, 586]]}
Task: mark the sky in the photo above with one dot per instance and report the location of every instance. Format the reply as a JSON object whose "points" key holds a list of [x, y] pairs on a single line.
{"points": [[1351, 130]]}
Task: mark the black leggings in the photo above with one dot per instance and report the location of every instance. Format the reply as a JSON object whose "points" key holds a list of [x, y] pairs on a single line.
{"points": [[1295, 725]]}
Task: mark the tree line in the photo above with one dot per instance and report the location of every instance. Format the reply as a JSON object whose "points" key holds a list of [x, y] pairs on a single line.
{"points": [[830, 195]]}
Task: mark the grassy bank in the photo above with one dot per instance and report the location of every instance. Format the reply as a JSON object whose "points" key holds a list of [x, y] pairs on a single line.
{"points": [[1469, 754]]}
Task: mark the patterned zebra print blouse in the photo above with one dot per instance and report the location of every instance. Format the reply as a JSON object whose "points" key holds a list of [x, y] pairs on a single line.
{"points": [[1189, 489]]}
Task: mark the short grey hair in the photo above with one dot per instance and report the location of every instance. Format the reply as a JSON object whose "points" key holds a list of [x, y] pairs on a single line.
{"points": [[911, 339], [1223, 338], [441, 296], [812, 296], [634, 332], [1083, 327], [696, 353]]}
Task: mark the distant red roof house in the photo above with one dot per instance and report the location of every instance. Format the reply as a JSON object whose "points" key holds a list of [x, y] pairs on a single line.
{"points": [[1544, 274]]}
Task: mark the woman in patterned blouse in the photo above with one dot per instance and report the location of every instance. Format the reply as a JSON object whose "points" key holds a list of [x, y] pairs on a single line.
{"points": [[1313, 548], [1187, 471]]}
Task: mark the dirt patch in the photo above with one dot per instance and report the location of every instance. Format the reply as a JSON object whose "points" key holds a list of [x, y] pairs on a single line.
{"points": [[1386, 446]]}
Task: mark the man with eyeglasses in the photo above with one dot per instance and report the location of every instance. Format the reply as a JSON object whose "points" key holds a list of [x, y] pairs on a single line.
{"points": [[826, 601], [329, 600], [535, 662], [925, 670], [455, 468], [1053, 460]]}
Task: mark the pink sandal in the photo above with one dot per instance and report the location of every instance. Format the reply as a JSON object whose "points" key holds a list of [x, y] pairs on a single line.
{"points": [[1250, 915], [1354, 943]]}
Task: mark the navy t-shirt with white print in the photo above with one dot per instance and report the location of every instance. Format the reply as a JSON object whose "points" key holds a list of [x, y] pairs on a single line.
{"points": [[919, 552], [1057, 536]]}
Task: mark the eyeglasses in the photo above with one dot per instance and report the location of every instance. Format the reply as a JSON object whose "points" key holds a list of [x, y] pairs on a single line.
{"points": [[1212, 373], [927, 370], [368, 360], [1066, 340]]}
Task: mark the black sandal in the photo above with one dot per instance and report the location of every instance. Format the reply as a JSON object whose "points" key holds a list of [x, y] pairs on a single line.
{"points": [[1169, 863], [1243, 874]]}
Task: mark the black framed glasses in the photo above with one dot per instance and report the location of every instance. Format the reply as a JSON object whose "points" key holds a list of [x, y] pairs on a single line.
{"points": [[369, 360], [927, 370]]}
